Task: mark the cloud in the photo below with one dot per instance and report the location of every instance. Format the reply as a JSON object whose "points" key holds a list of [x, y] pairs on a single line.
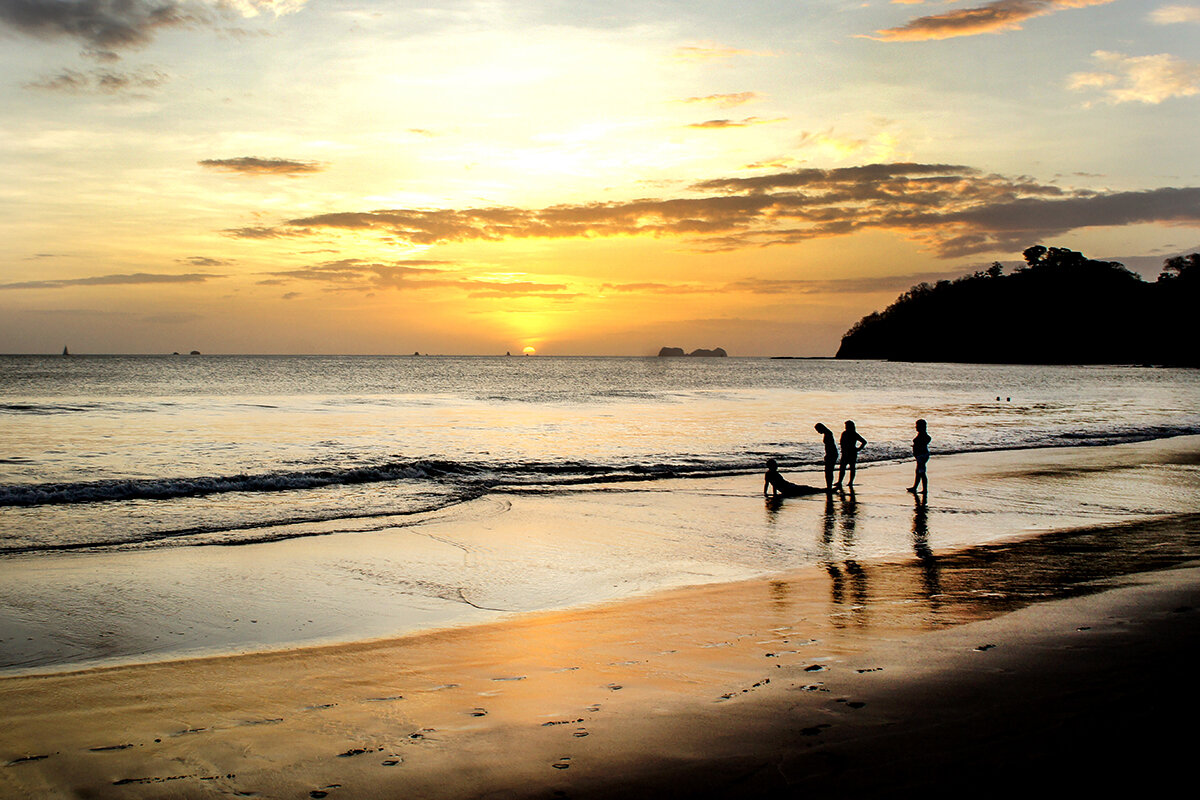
{"points": [[205, 261], [730, 123], [726, 100], [1173, 15], [657, 288], [104, 25], [103, 81], [951, 209], [1139, 79], [871, 285], [107, 26], [413, 274], [252, 165], [708, 51], [995, 17], [252, 8], [111, 280]]}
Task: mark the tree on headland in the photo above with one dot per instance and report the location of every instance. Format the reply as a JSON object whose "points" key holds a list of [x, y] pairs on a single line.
{"points": [[1059, 307]]}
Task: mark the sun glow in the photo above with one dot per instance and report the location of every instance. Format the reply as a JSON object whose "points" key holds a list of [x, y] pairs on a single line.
{"points": [[529, 351]]}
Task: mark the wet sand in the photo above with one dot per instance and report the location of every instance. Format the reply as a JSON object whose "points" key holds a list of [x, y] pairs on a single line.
{"points": [[1059, 660]]}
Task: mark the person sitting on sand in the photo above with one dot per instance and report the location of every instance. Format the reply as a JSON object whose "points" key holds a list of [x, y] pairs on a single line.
{"points": [[781, 485], [921, 454], [851, 443], [831, 454]]}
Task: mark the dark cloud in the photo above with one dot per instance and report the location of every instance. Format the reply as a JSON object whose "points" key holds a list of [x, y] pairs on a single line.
{"points": [[252, 165], [994, 17], [954, 210], [111, 280], [102, 81], [205, 261], [104, 25], [355, 275]]}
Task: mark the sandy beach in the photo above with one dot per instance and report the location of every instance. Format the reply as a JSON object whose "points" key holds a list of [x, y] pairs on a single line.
{"points": [[1003, 645]]}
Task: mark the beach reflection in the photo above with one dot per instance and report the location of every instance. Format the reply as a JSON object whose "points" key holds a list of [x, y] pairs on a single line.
{"points": [[930, 574], [849, 580]]}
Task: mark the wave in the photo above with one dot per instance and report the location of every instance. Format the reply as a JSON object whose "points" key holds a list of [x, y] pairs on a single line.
{"points": [[482, 476]]}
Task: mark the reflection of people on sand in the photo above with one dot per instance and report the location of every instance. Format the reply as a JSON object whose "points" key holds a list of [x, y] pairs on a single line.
{"points": [[851, 443], [782, 486], [929, 566], [844, 572], [921, 454], [831, 453]]}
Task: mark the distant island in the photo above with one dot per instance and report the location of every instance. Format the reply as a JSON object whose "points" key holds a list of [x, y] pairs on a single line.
{"points": [[677, 352], [1058, 308]]}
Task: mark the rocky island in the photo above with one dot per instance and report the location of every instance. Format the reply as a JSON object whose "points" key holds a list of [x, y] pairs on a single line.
{"points": [[677, 352]]}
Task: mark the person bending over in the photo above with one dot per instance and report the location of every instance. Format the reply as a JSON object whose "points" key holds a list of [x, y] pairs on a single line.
{"points": [[831, 454]]}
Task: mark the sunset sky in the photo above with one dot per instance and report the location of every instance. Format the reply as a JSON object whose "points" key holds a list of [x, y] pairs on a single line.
{"points": [[385, 176]]}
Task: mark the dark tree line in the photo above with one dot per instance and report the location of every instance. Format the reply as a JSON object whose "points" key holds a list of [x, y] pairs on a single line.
{"points": [[1058, 308]]}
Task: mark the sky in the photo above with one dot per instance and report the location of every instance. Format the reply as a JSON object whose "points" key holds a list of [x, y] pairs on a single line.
{"points": [[580, 178]]}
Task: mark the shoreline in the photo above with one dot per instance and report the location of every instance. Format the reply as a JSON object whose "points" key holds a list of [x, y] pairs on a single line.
{"points": [[505, 555], [972, 645], [770, 684]]}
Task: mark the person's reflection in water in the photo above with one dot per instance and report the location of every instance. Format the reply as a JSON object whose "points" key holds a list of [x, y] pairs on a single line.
{"points": [[858, 576], [839, 522], [828, 527], [930, 574]]}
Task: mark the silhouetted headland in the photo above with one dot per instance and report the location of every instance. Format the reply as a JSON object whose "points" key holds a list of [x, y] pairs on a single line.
{"points": [[677, 352], [1058, 308]]}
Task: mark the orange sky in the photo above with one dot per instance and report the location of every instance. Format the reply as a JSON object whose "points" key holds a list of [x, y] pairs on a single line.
{"points": [[354, 176]]}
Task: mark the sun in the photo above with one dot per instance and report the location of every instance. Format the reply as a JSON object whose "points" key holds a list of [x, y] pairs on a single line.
{"points": [[529, 351]]}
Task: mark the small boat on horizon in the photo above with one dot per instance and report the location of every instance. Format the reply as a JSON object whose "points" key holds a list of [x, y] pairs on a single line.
{"points": [[66, 352]]}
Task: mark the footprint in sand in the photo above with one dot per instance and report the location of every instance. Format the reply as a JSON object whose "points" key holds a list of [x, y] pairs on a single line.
{"points": [[26, 760], [477, 712], [984, 647], [358, 751], [108, 747], [393, 761], [562, 763]]}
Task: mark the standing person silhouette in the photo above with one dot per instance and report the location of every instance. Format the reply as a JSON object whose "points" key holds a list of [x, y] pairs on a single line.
{"points": [[921, 454], [851, 443], [831, 454]]}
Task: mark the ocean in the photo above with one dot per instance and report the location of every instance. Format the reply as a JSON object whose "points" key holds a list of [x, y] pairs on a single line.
{"points": [[159, 507], [120, 452]]}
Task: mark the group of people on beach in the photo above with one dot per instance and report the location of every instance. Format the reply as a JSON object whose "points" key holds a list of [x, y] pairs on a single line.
{"points": [[850, 442]]}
